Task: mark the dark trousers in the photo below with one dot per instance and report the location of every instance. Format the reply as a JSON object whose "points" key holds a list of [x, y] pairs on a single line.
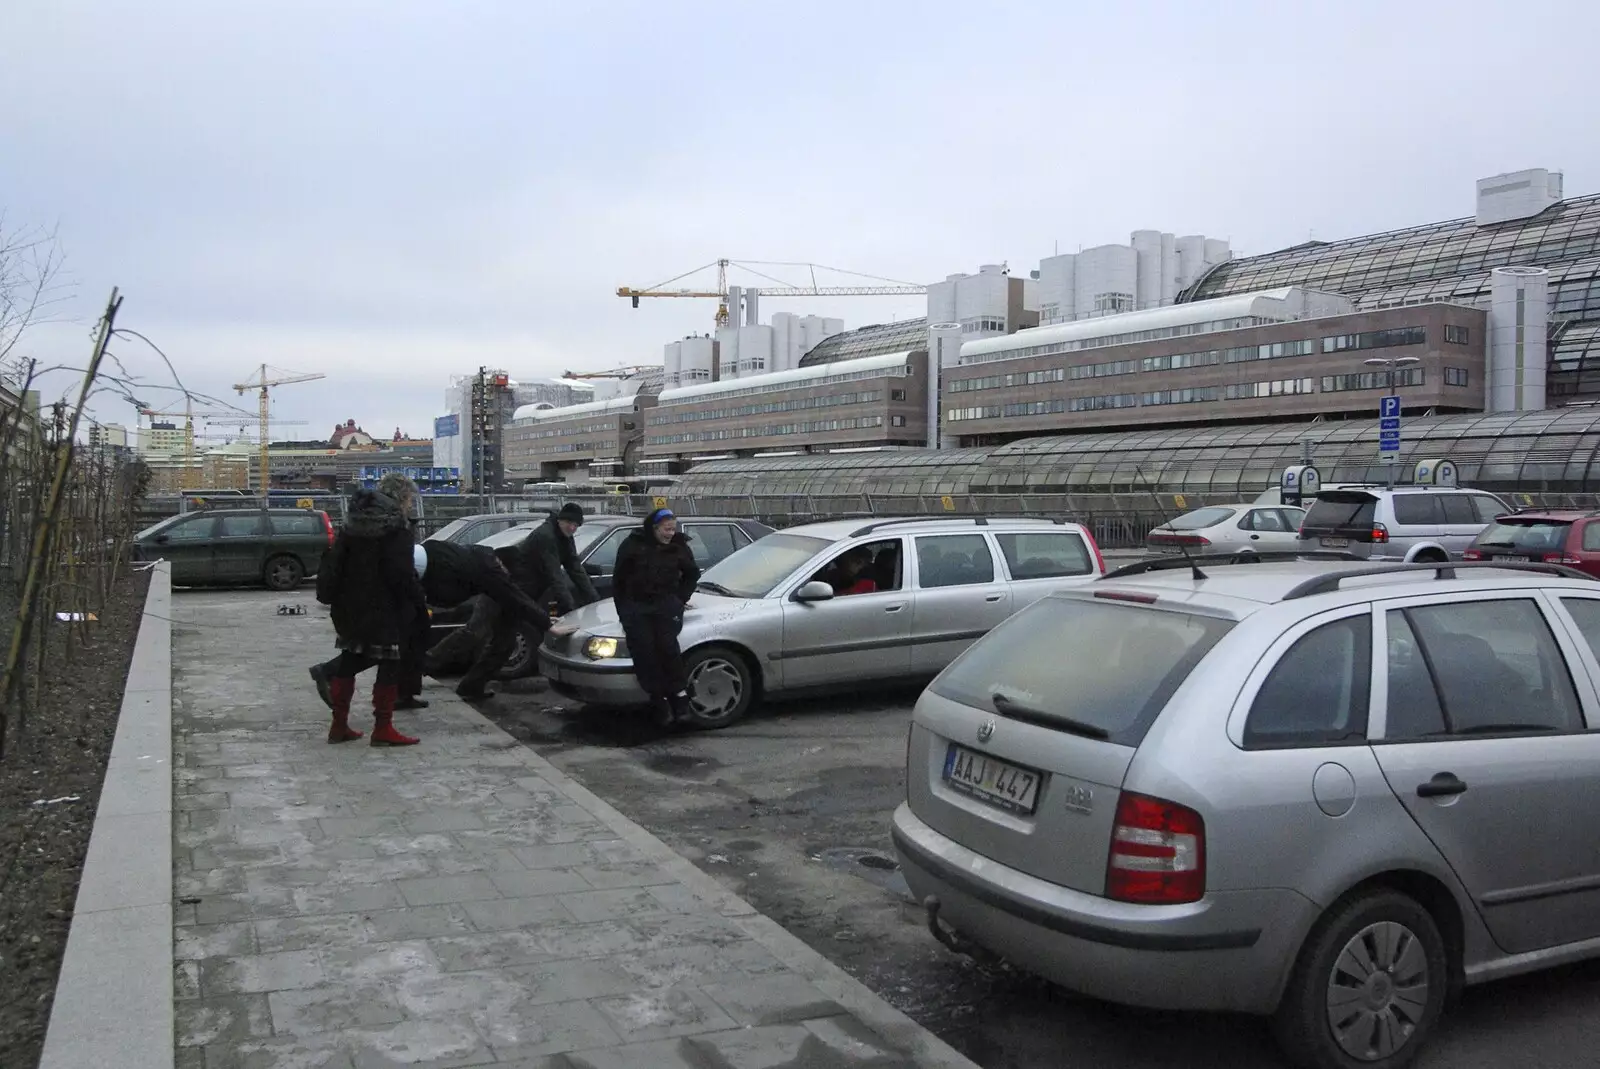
{"points": [[349, 665], [414, 649], [488, 637], [652, 631]]}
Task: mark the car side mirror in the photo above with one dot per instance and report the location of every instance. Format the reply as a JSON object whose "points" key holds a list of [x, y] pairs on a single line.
{"points": [[816, 590], [162, 540], [594, 569]]}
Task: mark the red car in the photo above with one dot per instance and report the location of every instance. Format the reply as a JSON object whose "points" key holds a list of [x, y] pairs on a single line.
{"points": [[1549, 536]]}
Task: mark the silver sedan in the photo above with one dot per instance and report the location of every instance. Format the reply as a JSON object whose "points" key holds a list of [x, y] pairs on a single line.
{"points": [[1241, 529], [832, 604]]}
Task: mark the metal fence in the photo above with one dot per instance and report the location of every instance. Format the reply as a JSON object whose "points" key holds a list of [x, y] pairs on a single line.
{"points": [[1114, 524]]}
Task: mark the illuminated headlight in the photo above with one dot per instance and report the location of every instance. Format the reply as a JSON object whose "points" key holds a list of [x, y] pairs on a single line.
{"points": [[601, 648]]}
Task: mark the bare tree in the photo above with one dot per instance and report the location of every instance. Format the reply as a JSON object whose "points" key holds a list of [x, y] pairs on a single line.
{"points": [[31, 285]]}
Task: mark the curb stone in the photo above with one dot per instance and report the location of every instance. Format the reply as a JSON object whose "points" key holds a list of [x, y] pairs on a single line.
{"points": [[114, 996]]}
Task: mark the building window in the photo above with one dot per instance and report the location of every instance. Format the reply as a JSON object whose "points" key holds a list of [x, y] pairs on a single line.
{"points": [[1112, 303], [897, 395], [1181, 397], [1371, 380], [897, 421], [1376, 339], [1455, 376], [1457, 336], [1095, 404], [1100, 371], [1270, 388]]}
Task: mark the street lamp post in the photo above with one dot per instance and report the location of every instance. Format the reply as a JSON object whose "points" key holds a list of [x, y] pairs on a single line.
{"points": [[1389, 364]]}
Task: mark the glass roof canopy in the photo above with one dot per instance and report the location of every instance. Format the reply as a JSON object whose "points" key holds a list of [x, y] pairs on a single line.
{"points": [[874, 340], [1561, 234], [1555, 451]]}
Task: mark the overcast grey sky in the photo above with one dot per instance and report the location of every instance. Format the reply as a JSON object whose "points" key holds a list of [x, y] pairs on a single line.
{"points": [[392, 191]]}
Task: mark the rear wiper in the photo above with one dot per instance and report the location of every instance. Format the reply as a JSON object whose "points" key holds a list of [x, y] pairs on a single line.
{"points": [[1508, 545], [715, 588], [1010, 707]]}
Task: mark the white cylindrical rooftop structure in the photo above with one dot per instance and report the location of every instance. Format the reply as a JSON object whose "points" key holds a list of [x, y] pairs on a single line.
{"points": [[671, 364], [1519, 314], [1217, 252], [1147, 248], [1191, 259], [1169, 269], [695, 361]]}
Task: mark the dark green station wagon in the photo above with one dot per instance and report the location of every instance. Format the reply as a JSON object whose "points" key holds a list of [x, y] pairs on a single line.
{"points": [[276, 548]]}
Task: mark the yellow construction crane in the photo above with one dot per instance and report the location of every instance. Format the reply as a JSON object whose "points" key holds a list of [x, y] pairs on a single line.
{"points": [[875, 287], [263, 383]]}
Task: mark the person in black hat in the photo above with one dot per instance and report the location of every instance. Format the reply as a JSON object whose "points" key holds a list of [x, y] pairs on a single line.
{"points": [[550, 569], [655, 576]]}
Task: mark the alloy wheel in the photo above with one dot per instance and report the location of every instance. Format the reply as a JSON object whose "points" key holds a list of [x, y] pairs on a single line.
{"points": [[716, 686]]}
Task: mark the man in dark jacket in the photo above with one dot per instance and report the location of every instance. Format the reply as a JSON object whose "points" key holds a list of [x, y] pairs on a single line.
{"points": [[475, 577], [550, 568], [655, 576], [375, 600]]}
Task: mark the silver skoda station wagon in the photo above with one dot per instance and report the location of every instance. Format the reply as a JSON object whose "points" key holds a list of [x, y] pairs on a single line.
{"points": [[1328, 792]]}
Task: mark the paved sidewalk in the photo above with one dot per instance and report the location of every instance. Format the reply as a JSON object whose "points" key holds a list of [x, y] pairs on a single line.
{"points": [[456, 903]]}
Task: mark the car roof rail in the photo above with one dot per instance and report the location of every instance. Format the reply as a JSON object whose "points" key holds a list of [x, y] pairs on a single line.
{"points": [[1329, 582], [1162, 564], [878, 525]]}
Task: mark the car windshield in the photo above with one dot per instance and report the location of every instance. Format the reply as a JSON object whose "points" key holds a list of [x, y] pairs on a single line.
{"points": [[1206, 517], [755, 570], [1126, 663], [590, 533], [448, 531], [509, 537], [156, 528], [1530, 535]]}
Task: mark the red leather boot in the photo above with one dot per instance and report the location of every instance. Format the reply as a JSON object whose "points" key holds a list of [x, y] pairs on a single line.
{"points": [[341, 692], [383, 732]]}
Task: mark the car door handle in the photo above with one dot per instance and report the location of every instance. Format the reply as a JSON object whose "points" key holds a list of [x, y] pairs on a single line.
{"points": [[894, 608], [1255, 538], [1441, 785], [992, 598]]}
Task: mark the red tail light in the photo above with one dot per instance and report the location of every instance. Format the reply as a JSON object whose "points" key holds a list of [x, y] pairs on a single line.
{"points": [[1162, 538], [1471, 554], [1380, 533], [1158, 853], [1099, 560], [1560, 558], [327, 525]]}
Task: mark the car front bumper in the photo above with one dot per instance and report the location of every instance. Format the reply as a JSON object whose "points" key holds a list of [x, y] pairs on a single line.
{"points": [[1230, 952], [609, 682]]}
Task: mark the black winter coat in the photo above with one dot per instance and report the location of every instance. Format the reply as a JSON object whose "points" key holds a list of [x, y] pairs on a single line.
{"points": [[549, 562], [377, 600], [649, 571], [456, 573]]}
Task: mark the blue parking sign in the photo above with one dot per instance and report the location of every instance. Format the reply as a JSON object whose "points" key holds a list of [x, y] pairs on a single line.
{"points": [[1388, 408]]}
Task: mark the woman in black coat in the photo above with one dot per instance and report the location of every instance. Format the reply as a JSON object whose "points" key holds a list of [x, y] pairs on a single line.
{"points": [[376, 601], [655, 576]]}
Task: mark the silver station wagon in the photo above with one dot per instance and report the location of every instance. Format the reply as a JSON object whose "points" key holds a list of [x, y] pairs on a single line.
{"points": [[831, 605], [1329, 792]]}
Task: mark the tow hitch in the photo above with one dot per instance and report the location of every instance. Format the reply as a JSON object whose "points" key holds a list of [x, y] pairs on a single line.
{"points": [[953, 940]]}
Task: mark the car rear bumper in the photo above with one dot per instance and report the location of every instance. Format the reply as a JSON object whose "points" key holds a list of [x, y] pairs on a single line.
{"points": [[1229, 952], [594, 683]]}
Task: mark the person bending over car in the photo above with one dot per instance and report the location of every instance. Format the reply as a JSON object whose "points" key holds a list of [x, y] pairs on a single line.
{"points": [[655, 576], [549, 568]]}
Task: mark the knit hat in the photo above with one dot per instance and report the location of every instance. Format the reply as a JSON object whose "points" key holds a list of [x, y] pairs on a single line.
{"points": [[571, 512]]}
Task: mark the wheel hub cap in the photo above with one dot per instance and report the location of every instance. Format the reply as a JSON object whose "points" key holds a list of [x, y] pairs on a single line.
{"points": [[1378, 991], [716, 687]]}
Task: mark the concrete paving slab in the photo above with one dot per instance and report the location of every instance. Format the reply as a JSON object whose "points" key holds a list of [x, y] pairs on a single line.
{"points": [[457, 903]]}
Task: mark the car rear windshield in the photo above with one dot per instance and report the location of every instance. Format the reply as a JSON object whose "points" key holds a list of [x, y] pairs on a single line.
{"points": [[1343, 512], [1200, 518], [1095, 667], [753, 572], [1530, 535]]}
